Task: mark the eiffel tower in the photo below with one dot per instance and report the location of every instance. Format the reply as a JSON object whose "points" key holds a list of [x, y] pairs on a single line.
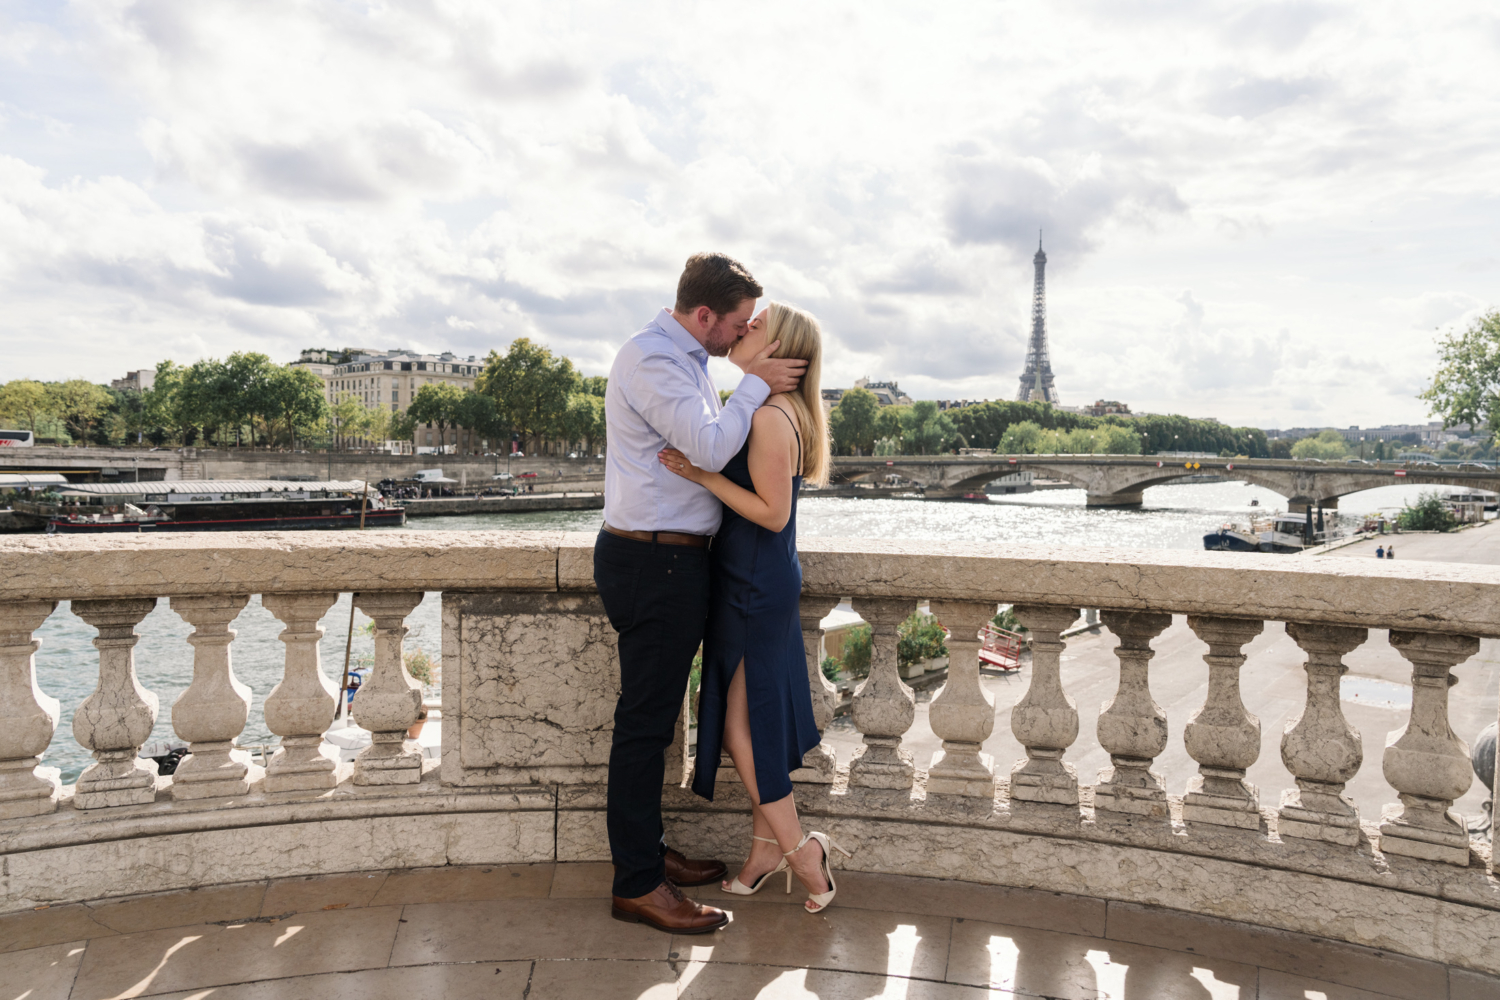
{"points": [[1036, 380]]}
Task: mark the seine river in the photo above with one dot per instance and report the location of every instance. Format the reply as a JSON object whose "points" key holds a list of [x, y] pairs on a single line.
{"points": [[1173, 517]]}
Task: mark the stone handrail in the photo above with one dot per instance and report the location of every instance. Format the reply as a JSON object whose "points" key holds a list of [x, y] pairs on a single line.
{"points": [[529, 682]]}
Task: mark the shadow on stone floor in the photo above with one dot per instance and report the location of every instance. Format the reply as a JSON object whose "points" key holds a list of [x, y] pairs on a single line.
{"points": [[542, 931]]}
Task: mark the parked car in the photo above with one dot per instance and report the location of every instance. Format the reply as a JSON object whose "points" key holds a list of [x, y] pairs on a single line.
{"points": [[503, 475]]}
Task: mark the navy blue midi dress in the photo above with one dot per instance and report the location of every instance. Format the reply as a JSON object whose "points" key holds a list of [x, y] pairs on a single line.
{"points": [[755, 583]]}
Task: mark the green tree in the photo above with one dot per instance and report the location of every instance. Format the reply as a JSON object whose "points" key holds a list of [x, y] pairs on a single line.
{"points": [[253, 391], [403, 427], [531, 388], [583, 423], [595, 385], [436, 403], [26, 401], [346, 418], [161, 399], [79, 404], [888, 422], [1466, 387], [291, 396], [481, 417], [1022, 438], [926, 430], [1429, 513], [129, 415], [852, 422], [1327, 445]]}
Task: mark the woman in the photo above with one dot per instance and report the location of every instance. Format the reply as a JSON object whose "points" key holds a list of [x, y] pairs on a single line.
{"points": [[754, 700]]}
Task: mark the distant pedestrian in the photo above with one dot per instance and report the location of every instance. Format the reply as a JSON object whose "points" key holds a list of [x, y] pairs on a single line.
{"points": [[1390, 552], [1380, 552]]}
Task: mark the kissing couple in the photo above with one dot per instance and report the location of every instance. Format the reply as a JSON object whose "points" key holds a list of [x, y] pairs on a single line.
{"points": [[699, 545]]}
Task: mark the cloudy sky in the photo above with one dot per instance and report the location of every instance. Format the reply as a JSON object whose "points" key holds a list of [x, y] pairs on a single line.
{"points": [[1255, 211]]}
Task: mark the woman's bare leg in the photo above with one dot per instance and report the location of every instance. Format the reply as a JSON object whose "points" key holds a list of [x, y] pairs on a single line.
{"points": [[777, 819]]}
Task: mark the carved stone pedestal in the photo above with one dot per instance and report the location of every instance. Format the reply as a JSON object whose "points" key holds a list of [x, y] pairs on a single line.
{"points": [[1221, 736], [1045, 721], [388, 702], [117, 719], [884, 707], [1132, 727], [28, 718], [1319, 747], [1424, 761], [213, 709], [302, 707], [963, 713]]}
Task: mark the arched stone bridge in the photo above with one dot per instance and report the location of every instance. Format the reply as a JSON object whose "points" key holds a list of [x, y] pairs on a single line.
{"points": [[1118, 480]]}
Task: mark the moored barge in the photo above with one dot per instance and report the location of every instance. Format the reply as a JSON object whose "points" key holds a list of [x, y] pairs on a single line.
{"points": [[213, 505]]}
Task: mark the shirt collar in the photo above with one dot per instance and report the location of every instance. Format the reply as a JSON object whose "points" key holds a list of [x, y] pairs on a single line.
{"points": [[678, 335]]}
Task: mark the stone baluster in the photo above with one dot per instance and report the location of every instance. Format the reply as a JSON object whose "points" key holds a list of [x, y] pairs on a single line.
{"points": [[1424, 761], [819, 764], [884, 707], [1319, 747], [302, 707], [116, 720], [1133, 727], [213, 709], [1045, 720], [388, 702], [963, 713], [28, 718], [1222, 736]]}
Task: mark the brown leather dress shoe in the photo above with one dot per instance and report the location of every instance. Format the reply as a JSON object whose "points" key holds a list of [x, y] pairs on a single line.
{"points": [[690, 873], [667, 909]]}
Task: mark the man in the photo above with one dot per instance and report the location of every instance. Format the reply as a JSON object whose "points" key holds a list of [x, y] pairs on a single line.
{"points": [[651, 560]]}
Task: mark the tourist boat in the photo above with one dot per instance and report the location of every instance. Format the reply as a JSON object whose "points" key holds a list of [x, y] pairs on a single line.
{"points": [[213, 505], [1278, 533]]}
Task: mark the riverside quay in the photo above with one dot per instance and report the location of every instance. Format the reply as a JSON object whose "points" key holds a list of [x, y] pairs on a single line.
{"points": [[484, 872]]}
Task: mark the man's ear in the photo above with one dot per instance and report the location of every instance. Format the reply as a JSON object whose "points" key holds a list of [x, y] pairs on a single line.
{"points": [[705, 317]]}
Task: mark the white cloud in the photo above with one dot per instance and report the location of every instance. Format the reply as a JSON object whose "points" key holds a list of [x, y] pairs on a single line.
{"points": [[1252, 209]]}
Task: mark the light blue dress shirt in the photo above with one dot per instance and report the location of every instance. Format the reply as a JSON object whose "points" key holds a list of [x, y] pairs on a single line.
{"points": [[660, 394]]}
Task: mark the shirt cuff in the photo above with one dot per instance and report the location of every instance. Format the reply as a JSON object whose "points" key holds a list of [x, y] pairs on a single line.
{"points": [[755, 387]]}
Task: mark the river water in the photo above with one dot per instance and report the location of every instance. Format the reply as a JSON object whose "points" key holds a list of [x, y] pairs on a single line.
{"points": [[1172, 517]]}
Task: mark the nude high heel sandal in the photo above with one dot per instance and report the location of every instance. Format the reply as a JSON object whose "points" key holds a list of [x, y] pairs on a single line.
{"points": [[820, 900], [739, 889]]}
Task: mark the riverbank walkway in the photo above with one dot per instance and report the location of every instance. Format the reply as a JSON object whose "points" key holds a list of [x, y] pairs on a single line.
{"points": [[543, 932]]}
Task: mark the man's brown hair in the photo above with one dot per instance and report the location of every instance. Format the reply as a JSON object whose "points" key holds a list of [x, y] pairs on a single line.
{"points": [[715, 280]]}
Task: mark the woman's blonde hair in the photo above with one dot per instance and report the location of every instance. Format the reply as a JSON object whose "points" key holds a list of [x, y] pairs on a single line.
{"points": [[802, 338]]}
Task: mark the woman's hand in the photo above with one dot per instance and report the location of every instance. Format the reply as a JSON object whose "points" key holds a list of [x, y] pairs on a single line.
{"points": [[677, 462]]}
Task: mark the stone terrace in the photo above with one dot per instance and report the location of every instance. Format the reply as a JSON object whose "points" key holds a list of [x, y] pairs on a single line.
{"points": [[481, 875], [507, 932]]}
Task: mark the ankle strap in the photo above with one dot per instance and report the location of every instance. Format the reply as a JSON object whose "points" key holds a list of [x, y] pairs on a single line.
{"points": [[801, 844], [766, 840]]}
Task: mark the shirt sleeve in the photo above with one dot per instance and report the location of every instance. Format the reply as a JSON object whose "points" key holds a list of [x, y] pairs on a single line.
{"points": [[667, 396]]}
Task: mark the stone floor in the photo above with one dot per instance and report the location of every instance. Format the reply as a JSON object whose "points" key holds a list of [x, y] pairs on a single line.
{"points": [[544, 931]]}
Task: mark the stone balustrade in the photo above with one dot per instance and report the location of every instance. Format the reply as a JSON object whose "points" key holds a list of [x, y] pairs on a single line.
{"points": [[529, 688]]}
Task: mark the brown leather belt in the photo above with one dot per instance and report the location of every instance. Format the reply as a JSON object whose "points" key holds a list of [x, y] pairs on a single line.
{"points": [[664, 537]]}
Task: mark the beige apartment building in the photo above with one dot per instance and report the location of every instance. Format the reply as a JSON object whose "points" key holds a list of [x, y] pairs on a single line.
{"points": [[389, 378]]}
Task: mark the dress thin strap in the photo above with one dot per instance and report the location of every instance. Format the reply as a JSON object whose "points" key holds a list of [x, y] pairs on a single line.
{"points": [[795, 432]]}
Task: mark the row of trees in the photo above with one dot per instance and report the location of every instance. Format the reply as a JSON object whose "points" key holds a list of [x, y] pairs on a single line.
{"points": [[72, 411], [527, 393], [859, 425]]}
